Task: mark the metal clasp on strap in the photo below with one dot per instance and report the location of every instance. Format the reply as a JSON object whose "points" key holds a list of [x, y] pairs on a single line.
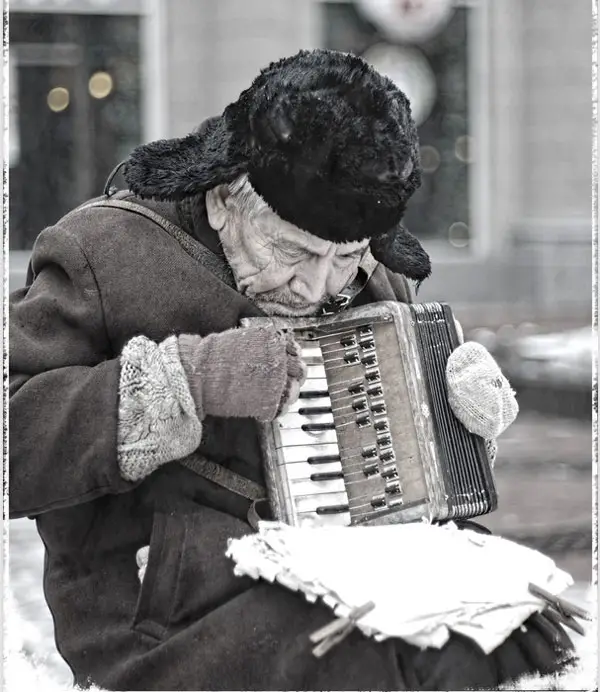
{"points": [[337, 304]]}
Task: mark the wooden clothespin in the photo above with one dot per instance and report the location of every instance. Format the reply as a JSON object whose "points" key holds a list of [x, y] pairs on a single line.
{"points": [[333, 633], [561, 609]]}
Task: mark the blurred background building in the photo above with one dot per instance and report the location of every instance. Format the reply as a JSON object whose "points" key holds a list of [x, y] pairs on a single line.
{"points": [[501, 91]]}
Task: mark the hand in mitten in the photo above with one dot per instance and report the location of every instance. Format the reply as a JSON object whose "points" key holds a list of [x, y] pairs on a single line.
{"points": [[479, 394], [251, 372]]}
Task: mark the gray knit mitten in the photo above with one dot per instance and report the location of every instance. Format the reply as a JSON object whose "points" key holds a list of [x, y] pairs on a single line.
{"points": [[479, 394], [250, 372]]}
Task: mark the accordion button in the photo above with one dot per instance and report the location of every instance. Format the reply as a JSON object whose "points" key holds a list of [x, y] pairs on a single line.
{"points": [[389, 471], [393, 487], [367, 344], [369, 360], [371, 469], [363, 420], [359, 404], [378, 501]]}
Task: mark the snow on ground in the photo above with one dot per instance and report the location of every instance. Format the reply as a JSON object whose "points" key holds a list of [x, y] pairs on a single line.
{"points": [[32, 662]]}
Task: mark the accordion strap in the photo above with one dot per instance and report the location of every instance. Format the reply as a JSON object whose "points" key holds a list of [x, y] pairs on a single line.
{"points": [[234, 482], [195, 249], [344, 298]]}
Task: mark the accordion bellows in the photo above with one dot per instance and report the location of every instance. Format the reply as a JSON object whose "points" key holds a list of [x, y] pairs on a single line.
{"points": [[372, 438]]}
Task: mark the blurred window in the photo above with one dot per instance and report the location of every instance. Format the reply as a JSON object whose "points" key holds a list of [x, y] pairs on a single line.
{"points": [[433, 69], [75, 110]]}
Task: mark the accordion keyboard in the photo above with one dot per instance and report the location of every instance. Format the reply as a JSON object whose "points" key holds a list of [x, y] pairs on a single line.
{"points": [[371, 438]]}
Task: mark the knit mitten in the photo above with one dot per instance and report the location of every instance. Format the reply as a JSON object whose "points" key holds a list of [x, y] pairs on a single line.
{"points": [[479, 394], [251, 372]]}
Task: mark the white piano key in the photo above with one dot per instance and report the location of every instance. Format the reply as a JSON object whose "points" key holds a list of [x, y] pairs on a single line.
{"points": [[293, 420], [309, 403], [303, 471], [315, 385], [315, 372], [312, 355], [309, 503], [296, 437], [292, 455], [301, 488], [312, 519]]}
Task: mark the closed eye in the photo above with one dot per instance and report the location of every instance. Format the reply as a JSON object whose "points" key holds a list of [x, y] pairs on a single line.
{"points": [[290, 252], [352, 256]]}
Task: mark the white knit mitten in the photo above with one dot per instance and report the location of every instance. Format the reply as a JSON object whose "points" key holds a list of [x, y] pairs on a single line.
{"points": [[479, 394], [141, 560]]}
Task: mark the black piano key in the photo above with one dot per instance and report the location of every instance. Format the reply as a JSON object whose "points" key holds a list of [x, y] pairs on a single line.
{"points": [[314, 394], [325, 459], [314, 410], [357, 388], [333, 509], [314, 427], [326, 476]]}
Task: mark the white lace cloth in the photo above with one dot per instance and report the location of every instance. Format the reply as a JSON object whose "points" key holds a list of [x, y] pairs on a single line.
{"points": [[424, 580]]}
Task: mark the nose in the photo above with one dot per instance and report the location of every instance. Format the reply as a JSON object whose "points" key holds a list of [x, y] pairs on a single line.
{"points": [[310, 279]]}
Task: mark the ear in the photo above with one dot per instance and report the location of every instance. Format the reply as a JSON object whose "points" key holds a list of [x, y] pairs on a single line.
{"points": [[216, 206]]}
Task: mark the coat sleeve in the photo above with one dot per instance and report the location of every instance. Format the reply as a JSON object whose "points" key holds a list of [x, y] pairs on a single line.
{"points": [[63, 384]]}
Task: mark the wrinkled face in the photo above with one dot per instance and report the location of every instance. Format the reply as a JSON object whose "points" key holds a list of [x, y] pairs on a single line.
{"points": [[283, 269]]}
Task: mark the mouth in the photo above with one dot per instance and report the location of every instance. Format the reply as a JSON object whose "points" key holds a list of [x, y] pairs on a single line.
{"points": [[285, 309]]}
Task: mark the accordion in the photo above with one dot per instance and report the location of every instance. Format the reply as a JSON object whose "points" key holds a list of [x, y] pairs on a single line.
{"points": [[372, 438]]}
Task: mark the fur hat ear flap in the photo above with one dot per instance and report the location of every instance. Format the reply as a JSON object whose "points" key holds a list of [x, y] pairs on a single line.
{"points": [[401, 252], [172, 169]]}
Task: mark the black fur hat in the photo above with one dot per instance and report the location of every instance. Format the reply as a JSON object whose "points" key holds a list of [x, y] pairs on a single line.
{"points": [[324, 139]]}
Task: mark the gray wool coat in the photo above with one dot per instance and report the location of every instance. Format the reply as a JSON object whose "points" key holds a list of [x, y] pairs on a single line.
{"points": [[98, 278]]}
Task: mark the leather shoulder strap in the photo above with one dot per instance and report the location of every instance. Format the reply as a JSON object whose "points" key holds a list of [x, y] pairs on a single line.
{"points": [[195, 249]]}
